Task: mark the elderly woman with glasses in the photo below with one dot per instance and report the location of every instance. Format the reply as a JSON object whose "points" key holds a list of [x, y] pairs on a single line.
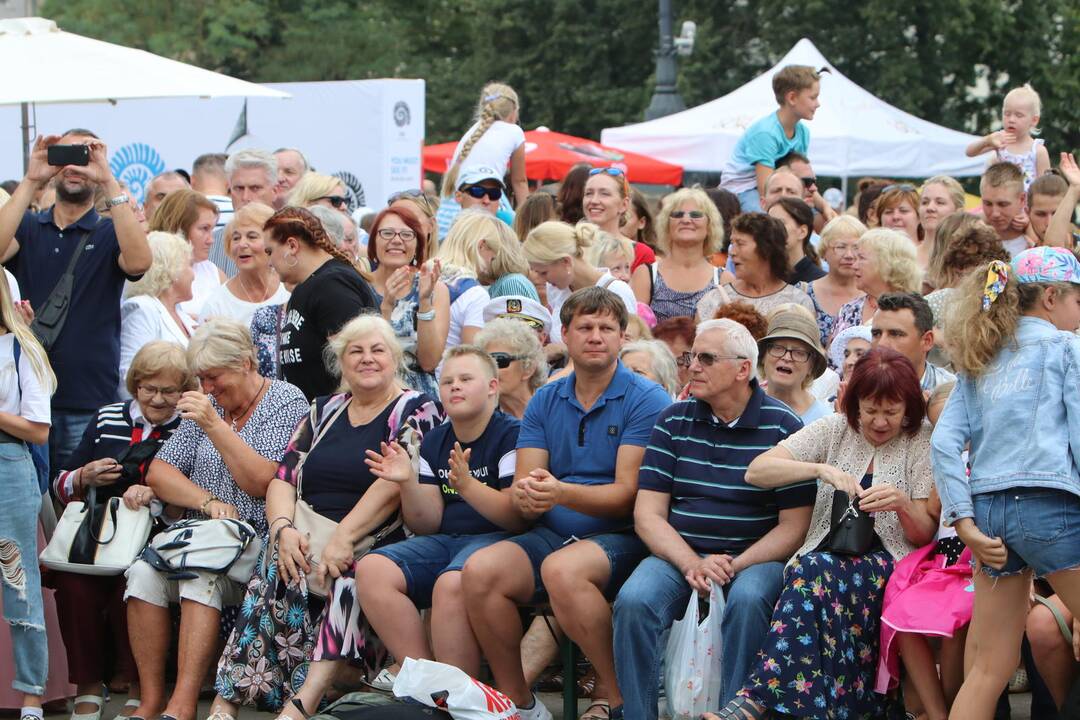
{"points": [[839, 240], [791, 359], [519, 357], [112, 459], [689, 232], [411, 297], [217, 464]]}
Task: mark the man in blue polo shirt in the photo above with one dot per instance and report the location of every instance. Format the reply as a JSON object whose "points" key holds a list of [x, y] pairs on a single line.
{"points": [[579, 449], [703, 523], [37, 248]]}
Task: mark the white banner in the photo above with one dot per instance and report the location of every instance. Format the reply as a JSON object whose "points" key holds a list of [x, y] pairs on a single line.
{"points": [[367, 132]]}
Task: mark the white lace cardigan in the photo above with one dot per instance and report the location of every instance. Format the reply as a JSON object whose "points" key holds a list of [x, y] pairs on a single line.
{"points": [[903, 462]]}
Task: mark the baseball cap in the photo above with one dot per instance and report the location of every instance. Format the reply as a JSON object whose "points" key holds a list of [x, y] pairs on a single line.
{"points": [[519, 307], [476, 174], [1045, 265]]}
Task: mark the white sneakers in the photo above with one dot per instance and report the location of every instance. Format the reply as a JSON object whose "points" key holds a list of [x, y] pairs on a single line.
{"points": [[538, 711]]}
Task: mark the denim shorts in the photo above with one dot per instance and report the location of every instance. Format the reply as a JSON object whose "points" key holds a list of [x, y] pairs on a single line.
{"points": [[422, 559], [624, 551], [1040, 527]]}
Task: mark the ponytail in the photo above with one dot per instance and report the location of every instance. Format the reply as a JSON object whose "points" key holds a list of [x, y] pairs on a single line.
{"points": [[497, 102]]}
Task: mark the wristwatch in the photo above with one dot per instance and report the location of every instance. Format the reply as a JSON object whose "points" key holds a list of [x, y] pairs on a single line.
{"points": [[118, 200]]}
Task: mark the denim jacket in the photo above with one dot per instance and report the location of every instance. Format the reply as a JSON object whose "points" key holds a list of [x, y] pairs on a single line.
{"points": [[1021, 418]]}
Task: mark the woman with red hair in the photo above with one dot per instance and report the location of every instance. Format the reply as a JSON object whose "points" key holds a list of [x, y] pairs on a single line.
{"points": [[822, 647]]}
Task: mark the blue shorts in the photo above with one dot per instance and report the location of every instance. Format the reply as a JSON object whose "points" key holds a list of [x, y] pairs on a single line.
{"points": [[1040, 528], [624, 551], [422, 559]]}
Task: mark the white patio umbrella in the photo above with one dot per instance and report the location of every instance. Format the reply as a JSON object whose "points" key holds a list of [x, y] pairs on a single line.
{"points": [[61, 67]]}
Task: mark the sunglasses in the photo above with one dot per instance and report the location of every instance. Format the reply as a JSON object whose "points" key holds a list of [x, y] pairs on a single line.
{"points": [[336, 200], [706, 359], [613, 171], [503, 360], [693, 214], [905, 187], [809, 182], [416, 194], [479, 191]]}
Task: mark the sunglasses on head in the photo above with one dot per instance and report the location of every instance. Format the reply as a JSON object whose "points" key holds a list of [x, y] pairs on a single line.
{"points": [[692, 214], [503, 360], [417, 195], [809, 182], [614, 171], [336, 200], [905, 187], [479, 191]]}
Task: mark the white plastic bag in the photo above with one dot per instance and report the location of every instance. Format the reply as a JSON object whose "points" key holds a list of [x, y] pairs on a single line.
{"points": [[444, 686], [692, 660]]}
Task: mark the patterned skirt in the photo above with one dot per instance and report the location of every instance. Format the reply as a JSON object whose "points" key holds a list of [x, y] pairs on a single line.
{"points": [[820, 657]]}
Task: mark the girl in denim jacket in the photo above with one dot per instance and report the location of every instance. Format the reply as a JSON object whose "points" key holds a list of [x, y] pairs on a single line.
{"points": [[1017, 402]]}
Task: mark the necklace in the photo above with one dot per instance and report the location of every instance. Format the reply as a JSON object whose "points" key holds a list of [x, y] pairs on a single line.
{"points": [[236, 418], [252, 297]]}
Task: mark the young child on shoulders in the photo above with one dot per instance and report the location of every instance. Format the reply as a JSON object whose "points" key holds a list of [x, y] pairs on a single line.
{"points": [[772, 137], [1015, 142]]}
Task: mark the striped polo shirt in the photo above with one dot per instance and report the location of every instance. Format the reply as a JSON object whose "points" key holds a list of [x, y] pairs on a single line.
{"points": [[701, 461]]}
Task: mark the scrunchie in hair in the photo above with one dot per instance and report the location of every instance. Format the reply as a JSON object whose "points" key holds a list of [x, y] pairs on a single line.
{"points": [[997, 276]]}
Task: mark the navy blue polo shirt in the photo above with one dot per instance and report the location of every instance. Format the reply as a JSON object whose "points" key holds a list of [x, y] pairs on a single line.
{"points": [[86, 356], [582, 445], [701, 461]]}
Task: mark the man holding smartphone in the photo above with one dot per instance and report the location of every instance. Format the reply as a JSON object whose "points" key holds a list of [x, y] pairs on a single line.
{"points": [[38, 248]]}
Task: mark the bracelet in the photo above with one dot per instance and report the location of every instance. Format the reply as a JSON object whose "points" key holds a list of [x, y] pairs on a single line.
{"points": [[429, 315], [209, 499], [286, 518], [277, 533]]}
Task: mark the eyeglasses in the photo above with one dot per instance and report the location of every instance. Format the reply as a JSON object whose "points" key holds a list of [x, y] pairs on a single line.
{"points": [[479, 191], [904, 187], [809, 182], [706, 359], [417, 195], [406, 235], [336, 200], [170, 394], [680, 214], [799, 355], [503, 360], [613, 171]]}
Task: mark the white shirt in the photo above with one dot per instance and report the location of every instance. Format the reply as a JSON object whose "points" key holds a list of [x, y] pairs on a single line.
{"points": [[27, 399], [144, 319], [207, 280], [466, 311], [1015, 246], [13, 286], [494, 147], [223, 303]]}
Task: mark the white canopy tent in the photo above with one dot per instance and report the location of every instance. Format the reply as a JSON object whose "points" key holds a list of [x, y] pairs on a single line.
{"points": [[62, 67], [852, 134]]}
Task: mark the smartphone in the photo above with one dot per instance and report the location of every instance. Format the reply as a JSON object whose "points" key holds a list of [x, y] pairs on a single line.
{"points": [[69, 155]]}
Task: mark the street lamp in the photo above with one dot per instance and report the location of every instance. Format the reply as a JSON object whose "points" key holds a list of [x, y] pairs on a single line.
{"points": [[666, 99]]}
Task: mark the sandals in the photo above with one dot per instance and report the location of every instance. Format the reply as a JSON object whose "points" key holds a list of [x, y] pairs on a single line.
{"points": [[131, 703], [383, 682], [98, 700], [743, 708], [220, 716], [598, 710]]}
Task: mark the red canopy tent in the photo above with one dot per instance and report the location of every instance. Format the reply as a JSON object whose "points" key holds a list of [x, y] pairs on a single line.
{"points": [[550, 155]]}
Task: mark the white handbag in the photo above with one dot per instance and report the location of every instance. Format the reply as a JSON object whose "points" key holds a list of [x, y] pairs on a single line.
{"points": [[222, 545], [94, 538]]}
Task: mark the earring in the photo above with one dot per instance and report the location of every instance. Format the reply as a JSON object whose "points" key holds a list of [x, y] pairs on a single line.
{"points": [[294, 261]]}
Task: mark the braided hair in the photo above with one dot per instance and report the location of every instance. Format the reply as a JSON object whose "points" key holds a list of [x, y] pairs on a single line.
{"points": [[497, 102], [303, 225]]}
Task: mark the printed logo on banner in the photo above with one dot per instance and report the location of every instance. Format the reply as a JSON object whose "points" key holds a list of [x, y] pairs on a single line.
{"points": [[402, 115], [136, 165], [353, 188]]}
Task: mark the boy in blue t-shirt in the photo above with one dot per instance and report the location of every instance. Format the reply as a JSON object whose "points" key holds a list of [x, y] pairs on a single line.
{"points": [[457, 503], [772, 137]]}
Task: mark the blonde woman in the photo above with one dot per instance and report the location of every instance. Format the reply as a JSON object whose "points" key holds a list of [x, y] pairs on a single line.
{"points": [[151, 310], [939, 197], [27, 384], [689, 230], [885, 261], [192, 216], [556, 253], [606, 202], [316, 189], [494, 140], [255, 284], [480, 258], [839, 239]]}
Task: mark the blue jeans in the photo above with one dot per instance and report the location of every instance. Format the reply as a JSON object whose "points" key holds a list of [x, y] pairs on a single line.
{"points": [[750, 200], [20, 578], [65, 435], [655, 596], [1040, 528]]}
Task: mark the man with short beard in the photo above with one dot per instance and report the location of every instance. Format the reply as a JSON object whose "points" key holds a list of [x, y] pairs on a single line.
{"points": [[37, 247]]}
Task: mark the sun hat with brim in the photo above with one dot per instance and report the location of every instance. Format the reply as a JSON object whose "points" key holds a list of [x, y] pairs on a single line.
{"points": [[841, 339], [795, 325]]}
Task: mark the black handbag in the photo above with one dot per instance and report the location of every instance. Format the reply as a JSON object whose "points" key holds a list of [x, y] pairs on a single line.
{"points": [[851, 531]]}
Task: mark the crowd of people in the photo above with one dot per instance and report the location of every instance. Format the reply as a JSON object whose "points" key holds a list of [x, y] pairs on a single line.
{"points": [[501, 402]]}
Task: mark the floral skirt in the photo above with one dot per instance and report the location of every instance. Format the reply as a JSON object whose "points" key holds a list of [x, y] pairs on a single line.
{"points": [[820, 656]]}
